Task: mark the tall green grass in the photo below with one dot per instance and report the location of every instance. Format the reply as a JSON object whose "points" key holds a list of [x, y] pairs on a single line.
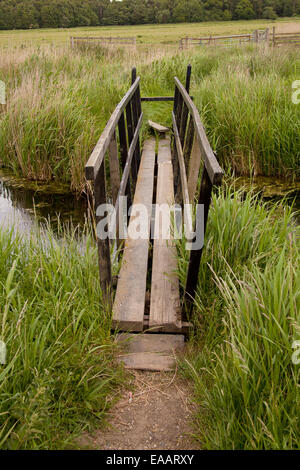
{"points": [[247, 317], [60, 376], [58, 101]]}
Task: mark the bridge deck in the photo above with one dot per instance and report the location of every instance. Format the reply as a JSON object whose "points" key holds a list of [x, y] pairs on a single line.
{"points": [[130, 312]]}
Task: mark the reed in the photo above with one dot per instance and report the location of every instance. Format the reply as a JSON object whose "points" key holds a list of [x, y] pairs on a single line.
{"points": [[247, 317], [59, 378], [58, 101]]}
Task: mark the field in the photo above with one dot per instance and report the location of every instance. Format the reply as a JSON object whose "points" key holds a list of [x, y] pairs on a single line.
{"points": [[61, 378], [149, 34]]}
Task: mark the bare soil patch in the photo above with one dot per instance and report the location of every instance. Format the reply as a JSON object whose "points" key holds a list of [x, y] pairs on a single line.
{"points": [[154, 413]]}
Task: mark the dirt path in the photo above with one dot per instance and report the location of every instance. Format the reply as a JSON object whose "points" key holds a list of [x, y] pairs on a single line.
{"points": [[153, 413]]}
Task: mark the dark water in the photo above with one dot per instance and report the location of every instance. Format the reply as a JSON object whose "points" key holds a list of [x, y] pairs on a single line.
{"points": [[275, 189], [22, 201]]}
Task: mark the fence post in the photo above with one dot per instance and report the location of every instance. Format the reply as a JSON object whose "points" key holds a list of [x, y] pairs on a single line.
{"points": [[273, 36], [188, 78], [267, 35]]}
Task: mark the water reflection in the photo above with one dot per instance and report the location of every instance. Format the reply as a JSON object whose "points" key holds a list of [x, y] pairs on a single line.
{"points": [[21, 201], [19, 204]]}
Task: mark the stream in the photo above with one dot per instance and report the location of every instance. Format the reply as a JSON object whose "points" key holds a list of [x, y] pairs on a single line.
{"points": [[21, 201]]}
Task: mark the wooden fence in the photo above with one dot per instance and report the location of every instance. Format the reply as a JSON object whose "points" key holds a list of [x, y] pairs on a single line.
{"points": [[258, 36], [284, 39], [225, 41], [104, 40]]}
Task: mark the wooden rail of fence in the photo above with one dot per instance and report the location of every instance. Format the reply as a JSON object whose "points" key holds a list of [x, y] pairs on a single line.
{"points": [[225, 41], [285, 39], [191, 149], [127, 117], [104, 40]]}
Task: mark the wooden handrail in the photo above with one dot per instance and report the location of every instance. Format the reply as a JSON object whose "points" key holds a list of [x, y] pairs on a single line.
{"points": [[97, 156], [214, 170], [191, 147], [127, 116]]}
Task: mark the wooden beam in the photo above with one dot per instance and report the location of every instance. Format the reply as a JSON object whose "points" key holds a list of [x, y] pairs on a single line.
{"points": [[158, 127], [157, 98]]}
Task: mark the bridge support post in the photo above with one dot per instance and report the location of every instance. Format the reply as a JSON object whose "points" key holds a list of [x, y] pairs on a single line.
{"points": [[195, 257], [103, 245]]}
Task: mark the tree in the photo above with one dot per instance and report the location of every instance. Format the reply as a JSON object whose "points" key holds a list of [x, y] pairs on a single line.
{"points": [[269, 14], [244, 10]]}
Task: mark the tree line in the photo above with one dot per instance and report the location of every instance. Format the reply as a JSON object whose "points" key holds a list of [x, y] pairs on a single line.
{"points": [[26, 14]]}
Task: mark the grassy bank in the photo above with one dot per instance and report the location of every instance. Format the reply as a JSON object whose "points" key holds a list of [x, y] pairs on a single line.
{"points": [[59, 377], [59, 100], [246, 385]]}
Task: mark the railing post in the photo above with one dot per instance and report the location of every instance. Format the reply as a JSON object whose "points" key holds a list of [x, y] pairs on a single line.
{"points": [[178, 101], [195, 257], [136, 115], [188, 78], [124, 153], [114, 168], [130, 132], [103, 244]]}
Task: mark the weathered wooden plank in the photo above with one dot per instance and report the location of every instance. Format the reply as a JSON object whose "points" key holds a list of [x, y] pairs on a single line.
{"points": [[157, 98], [129, 305], [150, 352], [158, 127], [165, 299]]}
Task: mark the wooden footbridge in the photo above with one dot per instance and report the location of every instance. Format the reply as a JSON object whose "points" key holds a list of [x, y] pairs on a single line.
{"points": [[166, 170]]}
